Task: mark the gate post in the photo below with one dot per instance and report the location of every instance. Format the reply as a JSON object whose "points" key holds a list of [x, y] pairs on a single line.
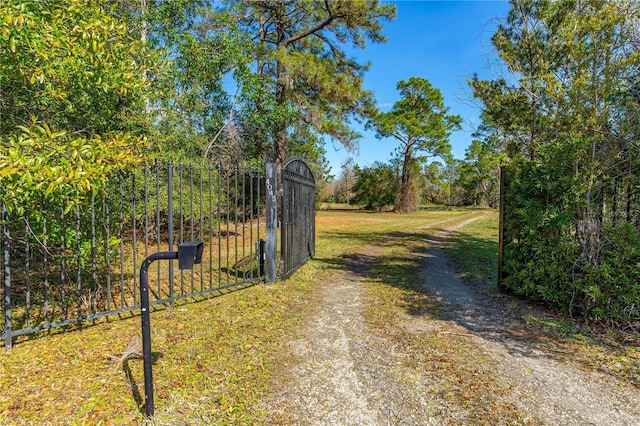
{"points": [[501, 237], [272, 221]]}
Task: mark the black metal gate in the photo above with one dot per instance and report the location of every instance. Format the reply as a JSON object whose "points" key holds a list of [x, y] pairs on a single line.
{"points": [[68, 263], [298, 233], [65, 265]]}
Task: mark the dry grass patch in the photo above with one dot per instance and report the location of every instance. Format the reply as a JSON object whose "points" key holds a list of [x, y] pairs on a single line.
{"points": [[440, 352], [212, 362]]}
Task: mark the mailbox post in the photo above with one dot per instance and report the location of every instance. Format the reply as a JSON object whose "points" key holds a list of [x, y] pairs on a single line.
{"points": [[188, 254]]}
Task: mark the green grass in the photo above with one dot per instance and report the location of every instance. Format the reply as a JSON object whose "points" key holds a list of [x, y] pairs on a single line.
{"points": [[217, 359], [474, 251]]}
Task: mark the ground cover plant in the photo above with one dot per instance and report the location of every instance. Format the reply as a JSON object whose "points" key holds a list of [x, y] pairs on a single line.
{"points": [[215, 361]]}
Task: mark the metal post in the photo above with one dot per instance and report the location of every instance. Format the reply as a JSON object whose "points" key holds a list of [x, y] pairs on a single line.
{"points": [[272, 221], [501, 208], [8, 338], [170, 228], [188, 254], [260, 257], [146, 328]]}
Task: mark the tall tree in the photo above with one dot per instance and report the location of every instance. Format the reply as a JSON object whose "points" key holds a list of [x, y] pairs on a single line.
{"points": [[421, 123], [303, 72]]}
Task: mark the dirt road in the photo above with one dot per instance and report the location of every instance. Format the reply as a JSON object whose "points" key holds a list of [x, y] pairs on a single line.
{"points": [[349, 374]]}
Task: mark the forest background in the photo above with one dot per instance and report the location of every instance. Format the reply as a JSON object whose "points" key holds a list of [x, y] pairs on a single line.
{"points": [[90, 88]]}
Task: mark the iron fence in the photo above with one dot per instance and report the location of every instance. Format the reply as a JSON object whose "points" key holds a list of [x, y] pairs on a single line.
{"points": [[77, 260]]}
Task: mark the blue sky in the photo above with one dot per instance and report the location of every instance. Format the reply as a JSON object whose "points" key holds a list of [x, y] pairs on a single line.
{"points": [[442, 41]]}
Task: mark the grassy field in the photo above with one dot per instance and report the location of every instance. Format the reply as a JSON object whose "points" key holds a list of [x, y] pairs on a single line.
{"points": [[216, 359]]}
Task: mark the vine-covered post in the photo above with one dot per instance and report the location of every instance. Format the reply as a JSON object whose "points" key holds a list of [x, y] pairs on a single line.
{"points": [[272, 221]]}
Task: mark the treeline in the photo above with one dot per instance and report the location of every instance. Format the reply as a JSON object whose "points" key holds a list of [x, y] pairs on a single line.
{"points": [[473, 181], [91, 88], [561, 117]]}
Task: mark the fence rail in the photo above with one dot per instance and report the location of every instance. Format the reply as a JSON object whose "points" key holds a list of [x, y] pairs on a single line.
{"points": [[78, 260]]}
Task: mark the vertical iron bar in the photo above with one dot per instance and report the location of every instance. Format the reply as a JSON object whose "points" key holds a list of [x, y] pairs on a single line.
{"points": [[107, 255], [6, 248], [181, 215], [78, 258], [258, 198], [135, 239], [219, 226], [201, 236], [235, 220], [121, 236], [170, 230], [63, 248], [244, 220], [191, 212], [210, 226], [46, 271], [27, 266], [313, 224], [251, 177], [158, 222], [94, 266], [261, 258], [228, 207]]}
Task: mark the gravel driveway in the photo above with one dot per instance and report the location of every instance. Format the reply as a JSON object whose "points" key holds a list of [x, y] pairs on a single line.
{"points": [[350, 375]]}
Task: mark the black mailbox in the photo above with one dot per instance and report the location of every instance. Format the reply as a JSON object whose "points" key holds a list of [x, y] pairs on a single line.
{"points": [[189, 253]]}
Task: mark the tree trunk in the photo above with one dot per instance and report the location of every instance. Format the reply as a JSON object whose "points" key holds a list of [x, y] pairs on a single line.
{"points": [[406, 200], [280, 138]]}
